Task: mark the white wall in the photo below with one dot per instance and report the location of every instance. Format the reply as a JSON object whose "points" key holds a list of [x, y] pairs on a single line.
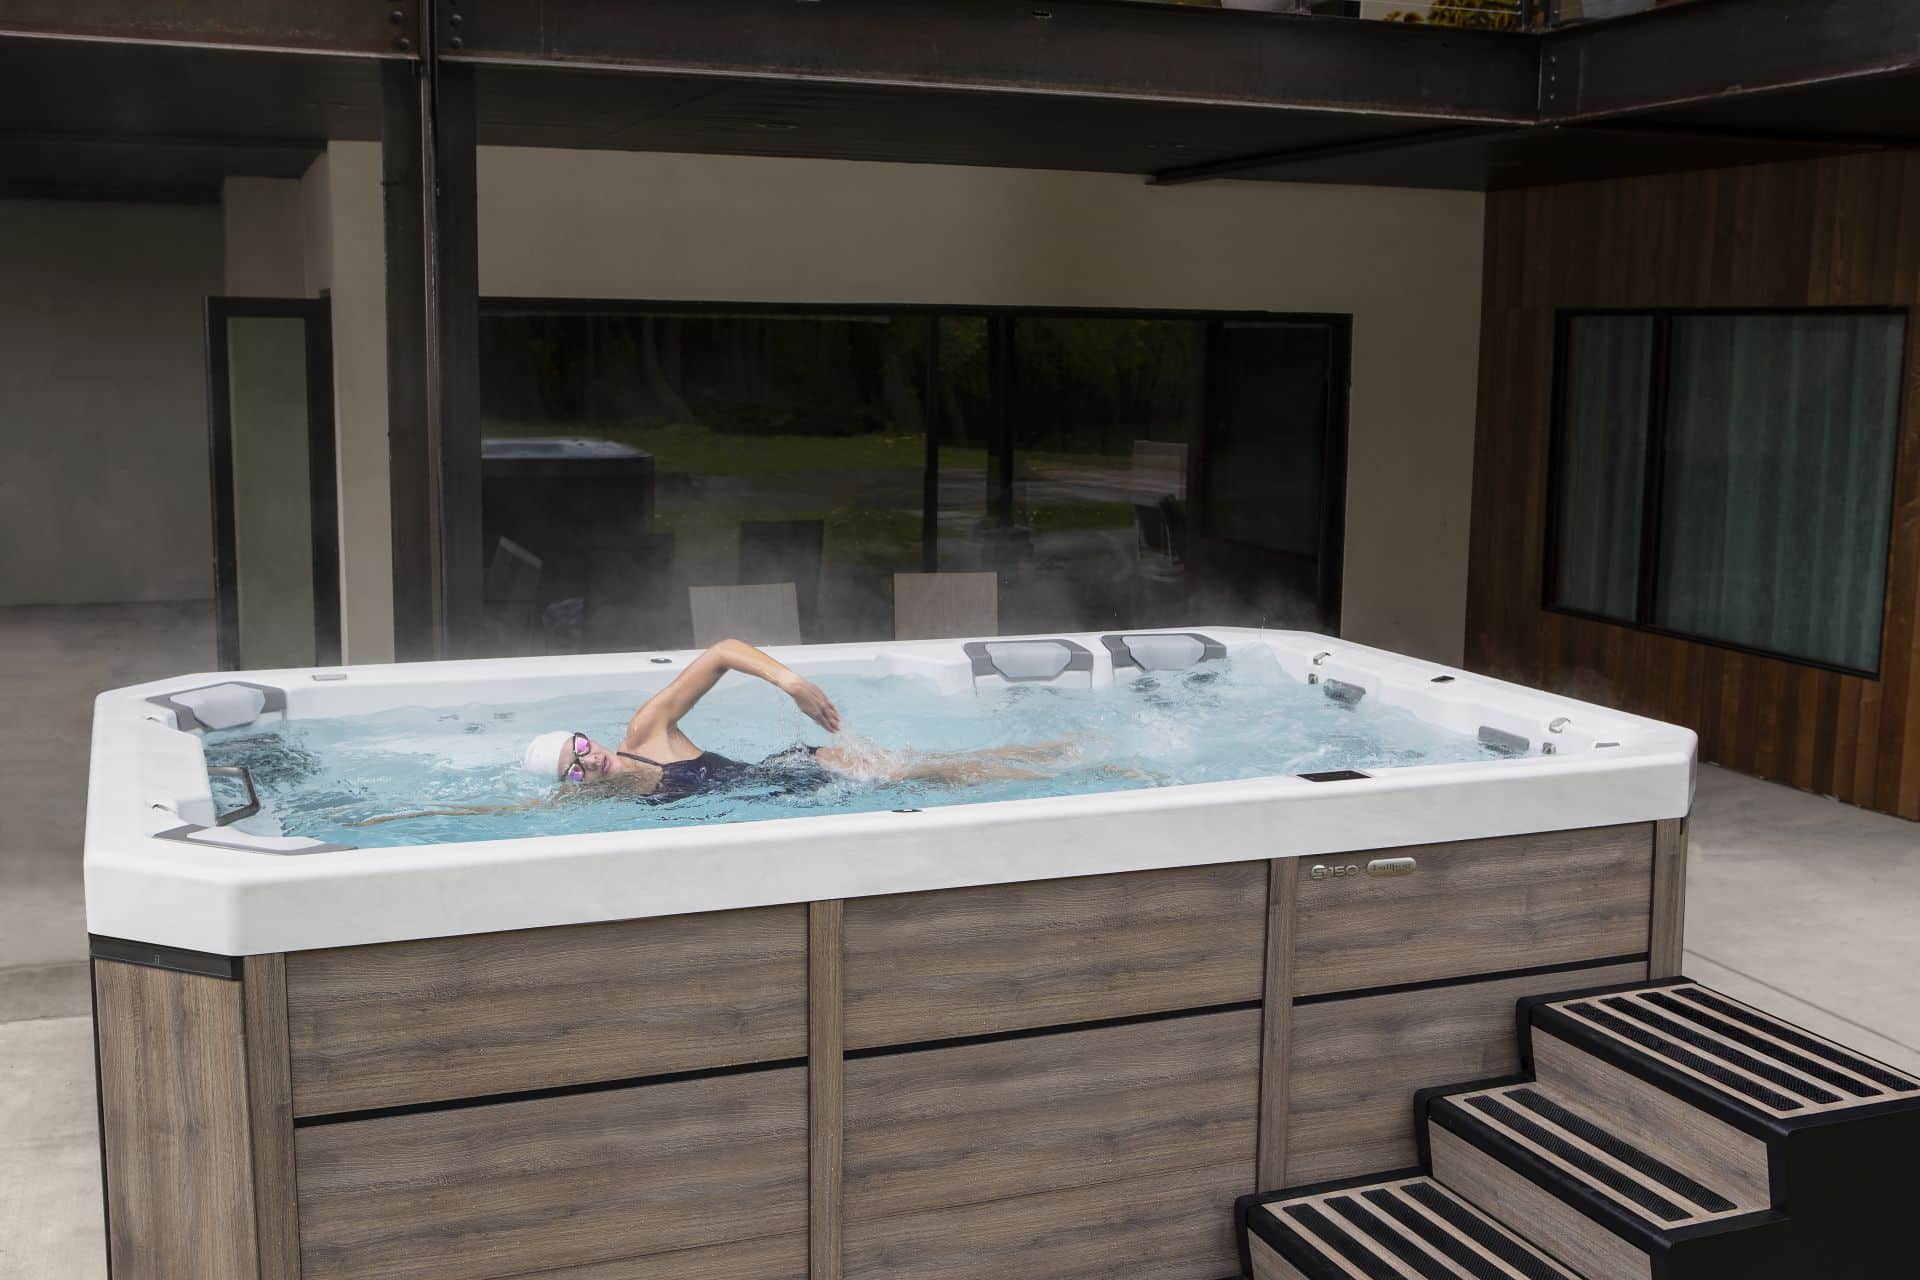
{"points": [[1405, 264], [304, 237], [103, 412], [347, 258]]}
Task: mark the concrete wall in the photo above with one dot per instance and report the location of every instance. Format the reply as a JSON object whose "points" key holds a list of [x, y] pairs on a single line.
{"points": [[1405, 264], [103, 412]]}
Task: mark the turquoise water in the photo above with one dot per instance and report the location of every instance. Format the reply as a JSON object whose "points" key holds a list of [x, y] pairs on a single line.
{"points": [[321, 777]]}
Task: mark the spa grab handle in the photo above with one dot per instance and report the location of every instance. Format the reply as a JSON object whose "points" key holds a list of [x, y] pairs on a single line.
{"points": [[247, 810]]}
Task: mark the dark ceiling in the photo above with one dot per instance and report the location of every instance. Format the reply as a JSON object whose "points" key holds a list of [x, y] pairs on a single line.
{"points": [[120, 120]]}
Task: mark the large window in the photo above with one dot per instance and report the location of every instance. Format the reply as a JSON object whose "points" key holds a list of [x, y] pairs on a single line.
{"points": [[1110, 469], [1728, 476]]}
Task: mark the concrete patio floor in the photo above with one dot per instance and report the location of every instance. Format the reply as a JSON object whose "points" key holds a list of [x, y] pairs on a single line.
{"points": [[1799, 905]]}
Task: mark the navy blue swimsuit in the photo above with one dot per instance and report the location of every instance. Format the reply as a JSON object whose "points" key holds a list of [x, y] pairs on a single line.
{"points": [[794, 769]]}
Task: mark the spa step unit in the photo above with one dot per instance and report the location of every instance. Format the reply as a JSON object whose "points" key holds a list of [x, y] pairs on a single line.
{"points": [[1053, 1038], [1663, 1132]]}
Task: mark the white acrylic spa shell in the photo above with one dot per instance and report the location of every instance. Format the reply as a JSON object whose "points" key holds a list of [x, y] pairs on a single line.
{"points": [[158, 871]]}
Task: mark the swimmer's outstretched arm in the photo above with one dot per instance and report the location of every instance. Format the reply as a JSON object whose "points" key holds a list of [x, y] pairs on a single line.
{"points": [[661, 714], [988, 764]]}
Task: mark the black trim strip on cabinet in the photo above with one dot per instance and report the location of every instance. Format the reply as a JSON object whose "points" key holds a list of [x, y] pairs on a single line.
{"points": [[536, 1095], [1058, 1028], [1431, 984], [154, 956]]}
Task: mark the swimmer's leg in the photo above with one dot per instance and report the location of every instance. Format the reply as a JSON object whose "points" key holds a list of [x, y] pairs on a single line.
{"points": [[989, 765]]}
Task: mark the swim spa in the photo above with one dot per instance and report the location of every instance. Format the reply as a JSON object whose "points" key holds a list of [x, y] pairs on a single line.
{"points": [[162, 832], [926, 1036]]}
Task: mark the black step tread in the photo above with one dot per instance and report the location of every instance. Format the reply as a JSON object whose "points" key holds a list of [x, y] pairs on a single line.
{"points": [[1890, 1079], [1608, 1205], [1749, 1058], [1412, 1222], [1582, 1148], [1637, 1158]]}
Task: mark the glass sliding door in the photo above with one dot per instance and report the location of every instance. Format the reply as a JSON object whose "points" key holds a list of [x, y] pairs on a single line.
{"points": [[1104, 412], [635, 455], [277, 590], [1271, 507], [1112, 470]]}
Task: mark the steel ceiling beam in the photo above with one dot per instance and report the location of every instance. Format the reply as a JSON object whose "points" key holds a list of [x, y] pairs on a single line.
{"points": [[362, 28], [1715, 49], [1266, 161], [1092, 49]]}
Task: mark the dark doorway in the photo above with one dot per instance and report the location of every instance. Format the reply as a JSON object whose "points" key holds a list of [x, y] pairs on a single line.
{"points": [[275, 522]]}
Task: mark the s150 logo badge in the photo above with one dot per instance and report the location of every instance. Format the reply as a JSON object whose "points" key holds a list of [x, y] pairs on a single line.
{"points": [[1339, 871]]}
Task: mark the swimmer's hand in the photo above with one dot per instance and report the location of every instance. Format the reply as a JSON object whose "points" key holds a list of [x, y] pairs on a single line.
{"points": [[811, 700]]}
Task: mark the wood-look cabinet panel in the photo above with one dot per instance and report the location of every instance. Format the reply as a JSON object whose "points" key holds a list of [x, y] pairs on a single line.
{"points": [[1357, 1062], [174, 1122], [770, 1258], [1172, 1226], [470, 1193], [409, 1022], [957, 962], [1476, 906], [270, 1115], [1045, 1113]]}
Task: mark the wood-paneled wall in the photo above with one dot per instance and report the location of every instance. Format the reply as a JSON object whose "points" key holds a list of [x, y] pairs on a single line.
{"points": [[1843, 231]]}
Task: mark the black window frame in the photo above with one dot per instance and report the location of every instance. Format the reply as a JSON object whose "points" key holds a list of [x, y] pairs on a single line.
{"points": [[1659, 401]]}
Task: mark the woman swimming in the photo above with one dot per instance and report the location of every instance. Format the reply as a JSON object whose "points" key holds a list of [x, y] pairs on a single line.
{"points": [[658, 760]]}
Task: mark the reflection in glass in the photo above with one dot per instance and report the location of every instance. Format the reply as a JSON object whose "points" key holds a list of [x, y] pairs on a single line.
{"points": [[272, 505], [1606, 378], [1273, 475], [635, 452], [711, 450], [1103, 413], [1780, 444]]}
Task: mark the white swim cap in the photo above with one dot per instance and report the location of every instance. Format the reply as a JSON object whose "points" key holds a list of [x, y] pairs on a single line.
{"points": [[547, 753]]}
